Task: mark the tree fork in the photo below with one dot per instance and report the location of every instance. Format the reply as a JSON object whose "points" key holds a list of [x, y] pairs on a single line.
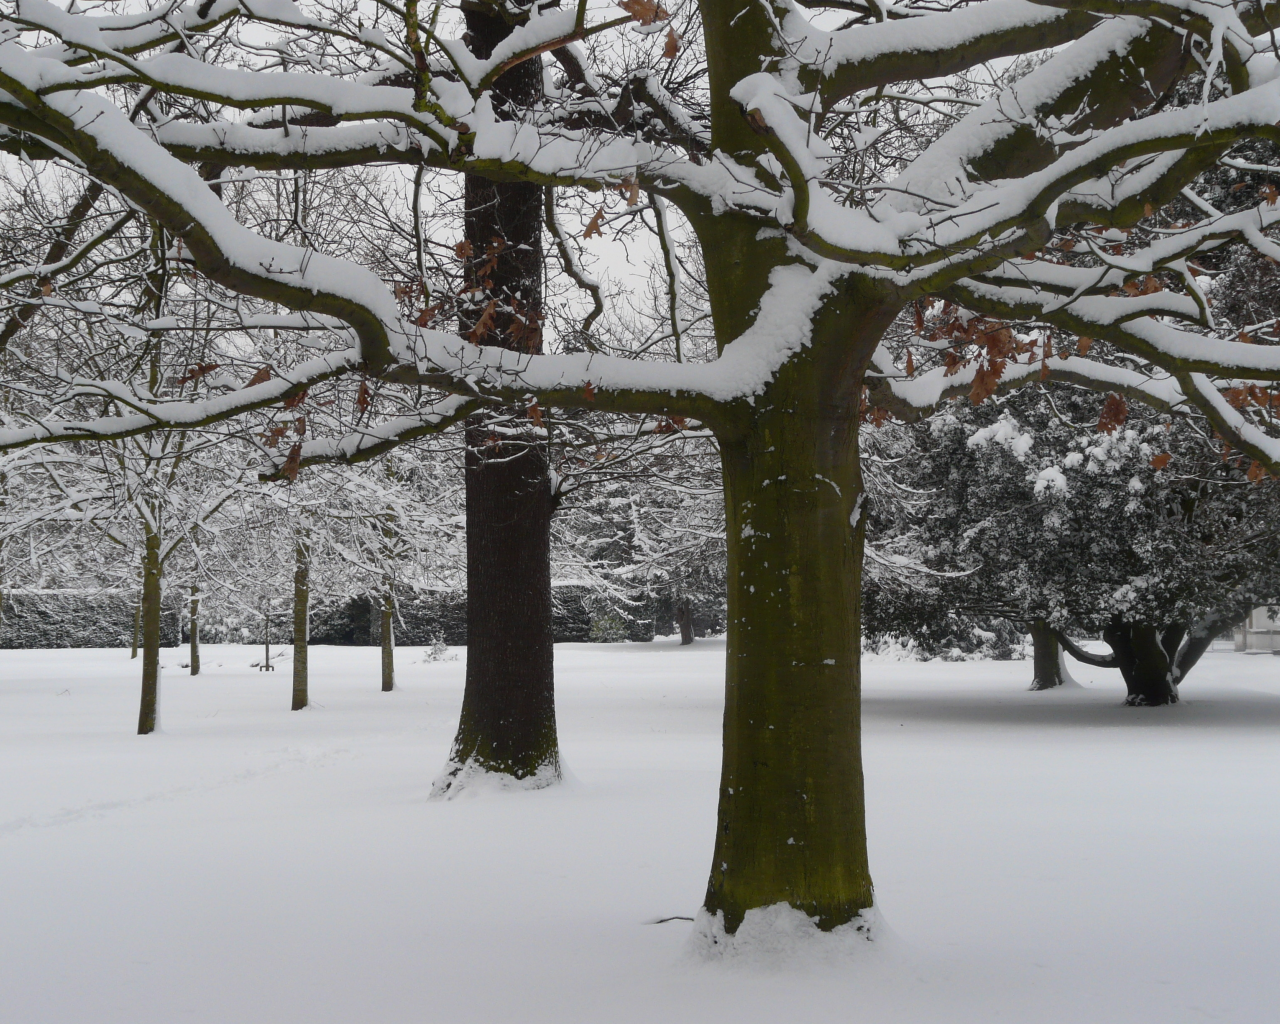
{"points": [[1144, 663]]}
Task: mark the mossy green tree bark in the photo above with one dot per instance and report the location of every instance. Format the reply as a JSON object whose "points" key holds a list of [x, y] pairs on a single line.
{"points": [[301, 621], [791, 826], [194, 625], [152, 568]]}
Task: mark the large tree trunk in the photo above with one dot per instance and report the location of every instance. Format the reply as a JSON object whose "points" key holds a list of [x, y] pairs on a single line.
{"points": [[301, 621], [791, 818], [195, 630], [151, 569], [1046, 657], [508, 724], [388, 641], [1145, 661]]}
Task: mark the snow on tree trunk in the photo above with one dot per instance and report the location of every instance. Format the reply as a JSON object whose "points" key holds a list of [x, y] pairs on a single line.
{"points": [[388, 640], [301, 621], [507, 725], [791, 823], [150, 617], [137, 627], [195, 630], [1144, 663]]}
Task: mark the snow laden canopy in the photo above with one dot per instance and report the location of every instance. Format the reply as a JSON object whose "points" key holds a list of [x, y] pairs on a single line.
{"points": [[836, 164], [969, 216]]}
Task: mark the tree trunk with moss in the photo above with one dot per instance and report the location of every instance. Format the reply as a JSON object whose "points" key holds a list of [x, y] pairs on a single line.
{"points": [[301, 621], [508, 724], [1046, 656], [194, 616], [388, 640], [150, 618], [791, 819]]}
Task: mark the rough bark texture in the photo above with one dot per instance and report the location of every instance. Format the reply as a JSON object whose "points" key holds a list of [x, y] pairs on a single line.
{"points": [[301, 622], [151, 569], [1145, 662], [195, 630], [684, 616], [791, 819], [508, 721], [388, 640], [1046, 657]]}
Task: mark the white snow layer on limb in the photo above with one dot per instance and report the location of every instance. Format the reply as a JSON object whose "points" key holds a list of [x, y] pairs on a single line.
{"points": [[826, 52], [301, 268], [1211, 401], [780, 935], [783, 326], [941, 172], [924, 391], [176, 413]]}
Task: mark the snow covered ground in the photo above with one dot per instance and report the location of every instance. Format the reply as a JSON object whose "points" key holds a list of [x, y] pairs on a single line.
{"points": [[1039, 857]]}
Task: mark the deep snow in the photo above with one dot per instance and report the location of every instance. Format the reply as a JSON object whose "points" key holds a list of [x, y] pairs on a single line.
{"points": [[1039, 857]]}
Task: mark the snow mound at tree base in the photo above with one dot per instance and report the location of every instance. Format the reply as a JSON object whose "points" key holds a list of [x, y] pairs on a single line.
{"points": [[782, 936], [475, 778]]}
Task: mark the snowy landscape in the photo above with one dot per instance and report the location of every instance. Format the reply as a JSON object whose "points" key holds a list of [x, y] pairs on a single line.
{"points": [[1048, 857], [617, 510]]}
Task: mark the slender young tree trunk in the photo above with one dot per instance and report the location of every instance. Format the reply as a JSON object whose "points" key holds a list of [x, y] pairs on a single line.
{"points": [[301, 621], [791, 817], [195, 630], [388, 639], [150, 617], [1046, 657], [684, 616], [507, 724], [137, 626], [1144, 662]]}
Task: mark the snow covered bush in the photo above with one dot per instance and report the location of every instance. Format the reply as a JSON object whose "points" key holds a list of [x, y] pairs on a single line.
{"points": [[1129, 524]]}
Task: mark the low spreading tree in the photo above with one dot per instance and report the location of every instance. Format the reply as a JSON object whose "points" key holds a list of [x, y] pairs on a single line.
{"points": [[1070, 513]]}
